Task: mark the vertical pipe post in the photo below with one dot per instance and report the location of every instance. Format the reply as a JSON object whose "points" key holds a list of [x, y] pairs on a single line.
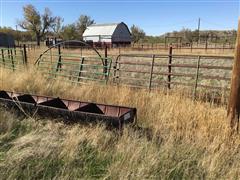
{"points": [[105, 62], [11, 55], [50, 52], [169, 67], [59, 65], [80, 69], [8, 53], [180, 45], [196, 79], [3, 60], [165, 42], [151, 72], [234, 99], [15, 52], [115, 67], [206, 44], [25, 54]]}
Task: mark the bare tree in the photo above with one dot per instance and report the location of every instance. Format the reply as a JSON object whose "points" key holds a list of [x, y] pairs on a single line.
{"points": [[57, 25], [36, 23]]}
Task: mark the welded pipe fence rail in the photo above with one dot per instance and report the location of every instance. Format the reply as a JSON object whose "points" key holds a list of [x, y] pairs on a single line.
{"points": [[135, 70], [154, 71], [74, 68]]}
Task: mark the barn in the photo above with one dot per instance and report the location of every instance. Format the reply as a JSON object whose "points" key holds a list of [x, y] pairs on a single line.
{"points": [[113, 35], [6, 40]]}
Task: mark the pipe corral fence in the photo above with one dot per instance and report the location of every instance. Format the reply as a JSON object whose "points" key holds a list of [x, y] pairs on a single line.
{"points": [[196, 72]]}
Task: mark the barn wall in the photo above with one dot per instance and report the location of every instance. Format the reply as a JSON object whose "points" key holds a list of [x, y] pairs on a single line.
{"points": [[98, 38], [121, 34]]}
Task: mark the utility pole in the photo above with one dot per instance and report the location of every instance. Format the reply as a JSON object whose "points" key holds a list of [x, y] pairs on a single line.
{"points": [[199, 23], [234, 100]]}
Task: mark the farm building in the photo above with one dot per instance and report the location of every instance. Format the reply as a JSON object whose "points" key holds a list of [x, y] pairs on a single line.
{"points": [[114, 35], [6, 40]]}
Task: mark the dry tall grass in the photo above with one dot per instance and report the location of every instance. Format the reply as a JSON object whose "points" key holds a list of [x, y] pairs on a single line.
{"points": [[33, 54], [179, 139]]}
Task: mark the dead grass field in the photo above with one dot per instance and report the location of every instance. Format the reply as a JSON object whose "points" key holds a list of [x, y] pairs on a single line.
{"points": [[180, 138], [114, 52]]}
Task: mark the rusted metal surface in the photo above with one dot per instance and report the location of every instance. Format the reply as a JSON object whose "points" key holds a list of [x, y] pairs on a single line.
{"points": [[234, 100], [138, 70], [69, 110]]}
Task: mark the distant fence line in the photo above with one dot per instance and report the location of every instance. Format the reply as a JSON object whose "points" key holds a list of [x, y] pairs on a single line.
{"points": [[150, 46]]}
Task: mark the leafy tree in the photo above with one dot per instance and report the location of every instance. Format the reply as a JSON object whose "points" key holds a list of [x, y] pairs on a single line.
{"points": [[36, 23], [137, 33], [186, 34], [69, 32], [18, 35], [57, 26], [82, 23]]}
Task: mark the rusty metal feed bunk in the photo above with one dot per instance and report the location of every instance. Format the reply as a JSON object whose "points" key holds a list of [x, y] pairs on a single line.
{"points": [[70, 110]]}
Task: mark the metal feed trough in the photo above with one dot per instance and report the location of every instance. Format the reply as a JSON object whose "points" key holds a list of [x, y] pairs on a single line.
{"points": [[69, 110]]}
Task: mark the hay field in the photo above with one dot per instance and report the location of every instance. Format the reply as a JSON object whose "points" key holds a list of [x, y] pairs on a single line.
{"points": [[177, 138]]}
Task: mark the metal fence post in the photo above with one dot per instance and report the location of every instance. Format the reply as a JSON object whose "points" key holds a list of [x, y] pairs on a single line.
{"points": [[80, 69], [15, 52], [151, 72], [105, 62], [59, 65], [196, 79], [24, 54], [115, 69], [169, 67], [11, 55], [206, 44], [8, 51], [3, 60]]}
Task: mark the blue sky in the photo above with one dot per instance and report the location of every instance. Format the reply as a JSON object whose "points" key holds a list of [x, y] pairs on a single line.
{"points": [[154, 16]]}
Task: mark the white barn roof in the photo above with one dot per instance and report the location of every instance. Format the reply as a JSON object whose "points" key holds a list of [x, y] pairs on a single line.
{"points": [[100, 29]]}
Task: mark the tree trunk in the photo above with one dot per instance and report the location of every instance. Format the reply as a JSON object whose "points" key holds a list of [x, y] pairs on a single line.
{"points": [[234, 100], [38, 40]]}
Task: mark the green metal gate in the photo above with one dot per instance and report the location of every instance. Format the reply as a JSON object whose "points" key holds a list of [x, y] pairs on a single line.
{"points": [[59, 63], [12, 58]]}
